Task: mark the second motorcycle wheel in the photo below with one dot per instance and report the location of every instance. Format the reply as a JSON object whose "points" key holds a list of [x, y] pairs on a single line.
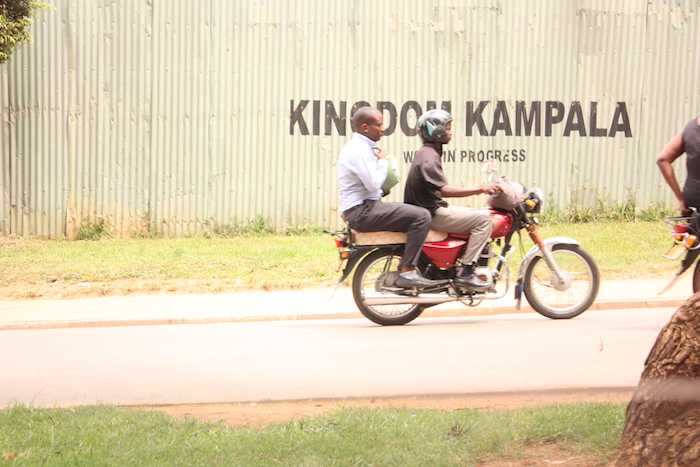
{"points": [[367, 283]]}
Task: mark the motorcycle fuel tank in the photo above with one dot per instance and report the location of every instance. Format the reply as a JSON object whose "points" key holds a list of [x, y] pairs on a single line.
{"points": [[502, 223]]}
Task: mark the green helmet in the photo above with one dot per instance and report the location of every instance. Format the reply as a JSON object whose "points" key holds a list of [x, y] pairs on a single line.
{"points": [[432, 126]]}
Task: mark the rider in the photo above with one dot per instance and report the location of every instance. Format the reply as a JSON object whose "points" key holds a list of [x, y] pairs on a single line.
{"points": [[362, 170], [426, 186], [687, 141]]}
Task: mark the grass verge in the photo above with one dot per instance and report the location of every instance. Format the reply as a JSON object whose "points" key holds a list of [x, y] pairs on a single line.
{"points": [[113, 436], [35, 268]]}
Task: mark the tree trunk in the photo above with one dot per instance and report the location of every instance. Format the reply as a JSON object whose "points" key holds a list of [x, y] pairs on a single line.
{"points": [[662, 425]]}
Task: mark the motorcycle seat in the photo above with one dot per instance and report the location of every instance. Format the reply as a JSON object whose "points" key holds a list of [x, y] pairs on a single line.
{"points": [[390, 238]]}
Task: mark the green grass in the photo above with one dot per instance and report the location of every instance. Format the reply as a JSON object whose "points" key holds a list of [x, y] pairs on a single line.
{"points": [[621, 249], [262, 261], [112, 436]]}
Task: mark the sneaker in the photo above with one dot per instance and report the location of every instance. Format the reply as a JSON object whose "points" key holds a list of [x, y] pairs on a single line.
{"points": [[411, 279]]}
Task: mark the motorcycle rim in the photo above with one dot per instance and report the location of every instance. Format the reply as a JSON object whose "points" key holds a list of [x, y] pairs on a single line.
{"points": [[367, 283], [580, 271]]}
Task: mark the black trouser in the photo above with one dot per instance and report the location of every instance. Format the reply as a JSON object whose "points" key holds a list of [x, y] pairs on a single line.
{"points": [[691, 193], [375, 216]]}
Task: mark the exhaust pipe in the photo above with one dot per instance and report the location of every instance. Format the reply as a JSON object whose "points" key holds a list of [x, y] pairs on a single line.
{"points": [[403, 300]]}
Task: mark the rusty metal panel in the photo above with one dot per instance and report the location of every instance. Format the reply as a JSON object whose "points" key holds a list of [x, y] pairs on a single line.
{"points": [[175, 116]]}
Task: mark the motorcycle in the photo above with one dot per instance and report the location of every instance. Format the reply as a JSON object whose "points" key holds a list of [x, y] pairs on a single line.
{"points": [[559, 279], [685, 231]]}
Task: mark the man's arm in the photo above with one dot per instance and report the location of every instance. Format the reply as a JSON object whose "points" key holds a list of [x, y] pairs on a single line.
{"points": [[433, 174], [371, 170], [670, 153], [449, 191]]}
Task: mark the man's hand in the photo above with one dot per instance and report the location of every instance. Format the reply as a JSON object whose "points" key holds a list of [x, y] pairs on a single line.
{"points": [[379, 153], [490, 189]]}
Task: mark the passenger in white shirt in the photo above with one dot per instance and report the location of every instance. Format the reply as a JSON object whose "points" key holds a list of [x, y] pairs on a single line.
{"points": [[361, 173]]}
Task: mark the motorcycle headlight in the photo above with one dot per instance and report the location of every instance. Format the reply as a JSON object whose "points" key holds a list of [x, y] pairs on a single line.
{"points": [[534, 201]]}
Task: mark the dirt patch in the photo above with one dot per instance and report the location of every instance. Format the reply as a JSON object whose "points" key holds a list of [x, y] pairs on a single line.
{"points": [[257, 414], [545, 455]]}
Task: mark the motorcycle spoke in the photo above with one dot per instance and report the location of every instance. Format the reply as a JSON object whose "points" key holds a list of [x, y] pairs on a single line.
{"points": [[371, 288], [578, 276]]}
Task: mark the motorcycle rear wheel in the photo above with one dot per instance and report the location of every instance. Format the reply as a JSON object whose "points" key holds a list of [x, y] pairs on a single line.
{"points": [[365, 283], [546, 299]]}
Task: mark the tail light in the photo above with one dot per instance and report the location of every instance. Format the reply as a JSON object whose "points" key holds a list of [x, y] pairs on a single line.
{"points": [[685, 236], [341, 243]]}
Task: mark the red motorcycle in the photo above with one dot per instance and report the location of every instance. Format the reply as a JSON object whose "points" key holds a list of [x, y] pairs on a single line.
{"points": [[559, 279]]}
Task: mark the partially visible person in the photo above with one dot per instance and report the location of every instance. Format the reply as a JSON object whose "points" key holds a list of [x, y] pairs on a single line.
{"points": [[688, 142], [362, 170], [426, 186]]}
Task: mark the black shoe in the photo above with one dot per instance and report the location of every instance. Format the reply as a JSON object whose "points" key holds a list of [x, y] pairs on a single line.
{"points": [[471, 281], [414, 279]]}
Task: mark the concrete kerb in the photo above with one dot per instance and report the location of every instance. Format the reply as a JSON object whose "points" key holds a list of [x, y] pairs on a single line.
{"points": [[609, 305], [286, 305]]}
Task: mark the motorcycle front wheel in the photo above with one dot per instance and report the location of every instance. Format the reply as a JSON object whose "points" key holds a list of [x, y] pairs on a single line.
{"points": [[569, 299], [368, 283]]}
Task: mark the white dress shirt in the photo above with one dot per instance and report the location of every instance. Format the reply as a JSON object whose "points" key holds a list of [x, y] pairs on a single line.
{"points": [[360, 173]]}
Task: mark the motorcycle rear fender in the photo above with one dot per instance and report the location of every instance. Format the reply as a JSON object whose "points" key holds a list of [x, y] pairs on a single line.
{"points": [[534, 252], [356, 254]]}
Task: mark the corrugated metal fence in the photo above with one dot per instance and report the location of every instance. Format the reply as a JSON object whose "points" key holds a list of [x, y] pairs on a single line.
{"points": [[175, 116]]}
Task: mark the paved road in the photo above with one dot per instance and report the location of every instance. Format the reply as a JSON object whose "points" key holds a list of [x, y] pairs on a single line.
{"points": [[324, 358]]}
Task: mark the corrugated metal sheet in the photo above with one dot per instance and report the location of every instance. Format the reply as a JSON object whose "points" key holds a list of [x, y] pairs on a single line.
{"points": [[110, 81], [37, 139], [4, 153], [174, 116], [670, 94]]}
